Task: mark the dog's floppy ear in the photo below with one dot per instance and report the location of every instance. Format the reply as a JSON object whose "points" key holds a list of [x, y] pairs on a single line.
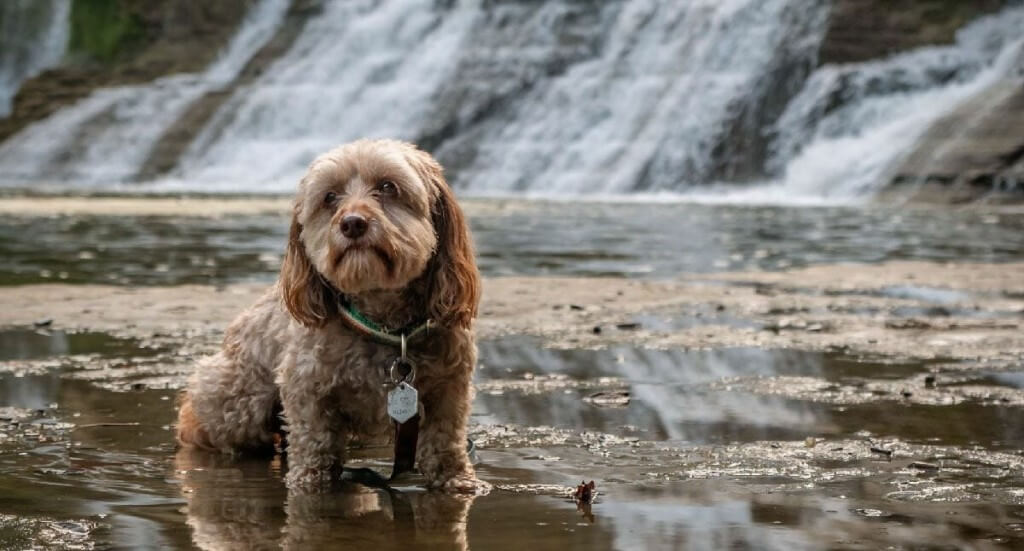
{"points": [[454, 281], [305, 295]]}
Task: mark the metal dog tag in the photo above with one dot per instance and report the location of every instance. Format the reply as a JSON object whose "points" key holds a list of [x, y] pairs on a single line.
{"points": [[403, 401]]}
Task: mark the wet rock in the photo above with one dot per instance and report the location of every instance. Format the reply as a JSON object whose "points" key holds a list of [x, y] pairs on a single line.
{"points": [[938, 311], [872, 513], [613, 398], [907, 324], [881, 451], [132, 43], [12, 414], [874, 391], [980, 150], [537, 489], [894, 26], [47, 533], [786, 323], [538, 384]]}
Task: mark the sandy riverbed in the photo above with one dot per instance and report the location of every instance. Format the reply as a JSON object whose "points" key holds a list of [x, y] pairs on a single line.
{"points": [[901, 309]]}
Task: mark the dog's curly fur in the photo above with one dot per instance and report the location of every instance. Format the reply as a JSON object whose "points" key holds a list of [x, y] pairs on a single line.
{"points": [[291, 351]]}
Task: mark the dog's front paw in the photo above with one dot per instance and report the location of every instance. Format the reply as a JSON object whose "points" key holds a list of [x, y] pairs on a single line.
{"points": [[463, 484]]}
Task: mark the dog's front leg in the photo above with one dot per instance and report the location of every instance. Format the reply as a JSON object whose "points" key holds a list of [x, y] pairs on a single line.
{"points": [[316, 445], [441, 452]]}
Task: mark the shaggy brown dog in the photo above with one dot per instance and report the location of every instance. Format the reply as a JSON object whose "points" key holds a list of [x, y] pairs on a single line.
{"points": [[376, 225]]}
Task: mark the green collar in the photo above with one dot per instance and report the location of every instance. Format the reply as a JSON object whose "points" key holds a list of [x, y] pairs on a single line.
{"points": [[361, 324]]}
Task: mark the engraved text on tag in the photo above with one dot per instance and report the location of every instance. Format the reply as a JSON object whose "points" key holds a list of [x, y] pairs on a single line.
{"points": [[402, 402]]}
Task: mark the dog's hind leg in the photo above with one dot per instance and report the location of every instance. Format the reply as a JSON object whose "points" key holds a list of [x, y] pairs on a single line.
{"points": [[229, 406], [232, 403]]}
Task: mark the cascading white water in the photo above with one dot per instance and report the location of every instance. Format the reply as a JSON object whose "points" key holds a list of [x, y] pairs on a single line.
{"points": [[359, 69], [560, 98], [33, 37], [649, 110], [106, 137], [667, 81]]}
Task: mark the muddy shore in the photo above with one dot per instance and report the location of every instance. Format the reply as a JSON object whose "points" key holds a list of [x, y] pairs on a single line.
{"points": [[842, 404], [914, 310], [812, 389]]}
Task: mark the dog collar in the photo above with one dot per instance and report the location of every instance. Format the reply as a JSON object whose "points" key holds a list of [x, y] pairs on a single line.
{"points": [[361, 324]]}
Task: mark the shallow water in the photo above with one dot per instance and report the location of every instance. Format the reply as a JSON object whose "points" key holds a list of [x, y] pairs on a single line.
{"points": [[703, 455], [519, 238], [41, 342]]}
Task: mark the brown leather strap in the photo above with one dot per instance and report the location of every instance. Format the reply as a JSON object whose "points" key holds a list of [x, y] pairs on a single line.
{"points": [[406, 435]]}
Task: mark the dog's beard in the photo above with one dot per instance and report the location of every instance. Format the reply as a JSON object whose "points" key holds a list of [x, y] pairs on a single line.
{"points": [[361, 255], [363, 267]]}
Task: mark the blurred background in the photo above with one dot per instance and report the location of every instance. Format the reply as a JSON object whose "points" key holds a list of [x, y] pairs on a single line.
{"points": [[746, 101], [788, 235]]}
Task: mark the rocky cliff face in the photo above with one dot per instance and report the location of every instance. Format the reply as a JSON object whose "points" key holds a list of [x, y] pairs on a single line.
{"points": [[974, 151], [860, 30], [971, 152], [125, 42]]}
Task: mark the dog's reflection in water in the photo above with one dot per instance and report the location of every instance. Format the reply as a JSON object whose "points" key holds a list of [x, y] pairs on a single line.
{"points": [[243, 504]]}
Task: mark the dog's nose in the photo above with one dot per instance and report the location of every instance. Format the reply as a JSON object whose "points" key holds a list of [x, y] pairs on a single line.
{"points": [[353, 226]]}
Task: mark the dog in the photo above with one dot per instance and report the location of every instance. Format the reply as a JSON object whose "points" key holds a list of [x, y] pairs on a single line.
{"points": [[376, 235]]}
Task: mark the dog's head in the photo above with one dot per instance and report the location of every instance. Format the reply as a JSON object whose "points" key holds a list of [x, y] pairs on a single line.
{"points": [[378, 215]]}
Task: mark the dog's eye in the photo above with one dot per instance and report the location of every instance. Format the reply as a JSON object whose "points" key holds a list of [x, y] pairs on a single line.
{"points": [[387, 187], [330, 198]]}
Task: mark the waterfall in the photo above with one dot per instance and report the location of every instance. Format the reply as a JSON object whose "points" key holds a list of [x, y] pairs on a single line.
{"points": [[651, 110], [621, 96], [839, 136], [361, 68], [708, 100], [104, 138], [33, 37]]}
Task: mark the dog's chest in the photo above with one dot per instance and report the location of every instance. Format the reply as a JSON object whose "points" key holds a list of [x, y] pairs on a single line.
{"points": [[362, 379]]}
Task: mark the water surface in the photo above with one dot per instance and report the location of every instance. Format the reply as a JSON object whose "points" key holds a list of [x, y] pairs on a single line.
{"points": [[694, 458], [519, 238]]}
